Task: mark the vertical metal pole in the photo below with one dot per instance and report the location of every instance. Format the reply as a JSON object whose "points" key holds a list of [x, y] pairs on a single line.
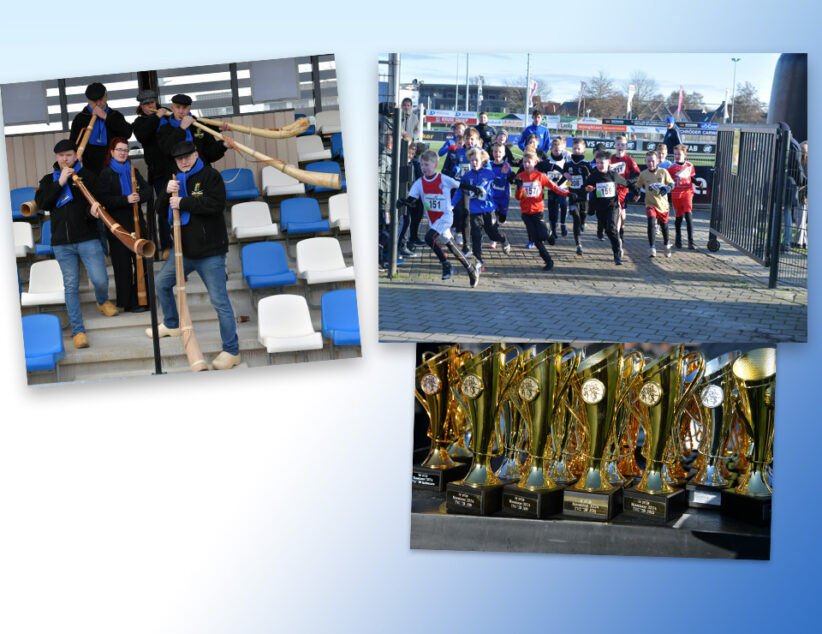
{"points": [[393, 77], [61, 91], [235, 89], [395, 186], [457, 84], [315, 78], [527, 89], [733, 99], [466, 81]]}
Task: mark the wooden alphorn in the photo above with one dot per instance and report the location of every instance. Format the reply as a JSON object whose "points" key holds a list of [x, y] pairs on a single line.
{"points": [[318, 179], [142, 299], [196, 361], [84, 137], [292, 129]]}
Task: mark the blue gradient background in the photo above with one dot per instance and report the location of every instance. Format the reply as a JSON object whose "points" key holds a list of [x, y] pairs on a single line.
{"points": [[188, 514]]}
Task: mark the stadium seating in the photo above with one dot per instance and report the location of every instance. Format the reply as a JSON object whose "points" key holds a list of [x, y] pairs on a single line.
{"points": [[284, 325], [239, 184], [328, 121], [23, 239], [338, 214], [325, 167], [43, 342], [302, 215], [340, 319], [45, 285], [44, 246], [310, 148], [18, 197], [265, 265], [277, 183], [320, 260], [337, 145], [252, 220]]}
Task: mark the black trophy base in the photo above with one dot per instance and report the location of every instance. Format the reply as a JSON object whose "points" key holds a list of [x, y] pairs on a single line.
{"points": [[660, 508], [592, 505], [435, 479], [468, 500], [747, 508], [703, 497], [531, 504]]}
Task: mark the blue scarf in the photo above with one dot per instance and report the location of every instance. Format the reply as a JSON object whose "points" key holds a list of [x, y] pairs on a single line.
{"points": [[182, 178], [65, 195], [99, 134], [123, 170], [175, 124]]}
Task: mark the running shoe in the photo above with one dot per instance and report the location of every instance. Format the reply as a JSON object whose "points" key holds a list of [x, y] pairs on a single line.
{"points": [[579, 249], [652, 252], [530, 245], [447, 270]]}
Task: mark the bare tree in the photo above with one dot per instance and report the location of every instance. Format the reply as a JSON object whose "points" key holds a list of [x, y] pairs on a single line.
{"points": [[646, 95], [602, 98], [515, 92], [690, 100], [747, 106]]}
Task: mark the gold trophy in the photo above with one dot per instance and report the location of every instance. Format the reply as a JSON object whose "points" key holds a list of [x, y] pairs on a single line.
{"points": [[483, 385], [667, 385], [755, 376], [601, 384], [434, 379], [622, 467], [715, 397], [513, 434], [539, 395], [565, 431]]}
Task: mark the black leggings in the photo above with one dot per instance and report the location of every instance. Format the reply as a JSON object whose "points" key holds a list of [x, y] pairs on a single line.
{"points": [[537, 233], [652, 230], [557, 204], [478, 223], [607, 218], [688, 225], [577, 211], [437, 241]]}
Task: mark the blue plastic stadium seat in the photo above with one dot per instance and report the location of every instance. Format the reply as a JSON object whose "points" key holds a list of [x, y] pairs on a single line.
{"points": [[336, 145], [239, 184], [326, 167], [302, 215], [44, 246], [341, 322], [43, 342], [265, 264], [18, 197], [308, 130]]}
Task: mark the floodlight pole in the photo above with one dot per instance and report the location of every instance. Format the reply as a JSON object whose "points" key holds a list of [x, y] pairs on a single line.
{"points": [[733, 97]]}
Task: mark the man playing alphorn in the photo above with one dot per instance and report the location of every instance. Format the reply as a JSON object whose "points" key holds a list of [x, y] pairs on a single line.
{"points": [[198, 192], [177, 128], [74, 236], [109, 124]]}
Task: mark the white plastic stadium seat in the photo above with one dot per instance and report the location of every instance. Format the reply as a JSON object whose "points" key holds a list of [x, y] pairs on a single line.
{"points": [[338, 214], [45, 285], [328, 122], [320, 260], [276, 183], [285, 325], [310, 148], [252, 220], [23, 239]]}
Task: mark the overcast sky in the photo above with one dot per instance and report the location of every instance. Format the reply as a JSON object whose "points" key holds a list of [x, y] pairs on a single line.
{"points": [[707, 73]]}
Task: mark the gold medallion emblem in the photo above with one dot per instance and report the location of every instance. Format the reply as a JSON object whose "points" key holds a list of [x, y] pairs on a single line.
{"points": [[430, 384], [528, 389], [712, 396], [593, 391], [471, 386], [650, 393]]}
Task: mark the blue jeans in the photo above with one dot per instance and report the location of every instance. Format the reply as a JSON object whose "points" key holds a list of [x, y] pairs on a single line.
{"points": [[69, 256], [212, 271]]}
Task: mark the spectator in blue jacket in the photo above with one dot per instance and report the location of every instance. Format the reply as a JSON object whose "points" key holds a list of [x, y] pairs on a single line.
{"points": [[541, 133]]}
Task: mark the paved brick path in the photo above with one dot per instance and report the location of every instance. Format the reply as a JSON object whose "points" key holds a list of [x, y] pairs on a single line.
{"points": [[694, 296]]}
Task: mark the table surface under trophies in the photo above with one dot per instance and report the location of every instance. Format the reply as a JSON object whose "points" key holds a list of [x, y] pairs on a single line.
{"points": [[697, 533]]}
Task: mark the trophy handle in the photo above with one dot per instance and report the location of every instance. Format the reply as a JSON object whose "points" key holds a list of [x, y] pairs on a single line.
{"points": [[568, 360], [637, 363], [428, 355], [689, 359], [512, 373]]}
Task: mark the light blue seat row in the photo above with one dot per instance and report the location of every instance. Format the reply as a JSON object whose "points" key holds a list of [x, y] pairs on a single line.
{"points": [[18, 197], [265, 265], [239, 184], [302, 215], [43, 342]]}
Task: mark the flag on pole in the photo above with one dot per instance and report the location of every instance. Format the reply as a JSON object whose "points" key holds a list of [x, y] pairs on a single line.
{"points": [[679, 107], [631, 91], [532, 90], [581, 90]]}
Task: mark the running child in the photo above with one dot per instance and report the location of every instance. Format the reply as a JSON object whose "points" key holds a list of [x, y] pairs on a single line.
{"points": [[529, 191], [662, 153], [554, 167], [626, 167], [657, 183], [502, 137], [682, 196], [605, 202], [455, 140], [577, 170], [477, 184], [501, 187], [432, 190]]}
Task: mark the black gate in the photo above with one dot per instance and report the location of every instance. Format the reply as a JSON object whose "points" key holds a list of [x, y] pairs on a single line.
{"points": [[754, 199]]}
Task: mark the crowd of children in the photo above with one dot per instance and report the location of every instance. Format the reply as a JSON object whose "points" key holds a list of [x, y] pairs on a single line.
{"points": [[471, 195]]}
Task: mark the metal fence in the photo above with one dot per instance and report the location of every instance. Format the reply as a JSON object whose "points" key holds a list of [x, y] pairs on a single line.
{"points": [[753, 199]]}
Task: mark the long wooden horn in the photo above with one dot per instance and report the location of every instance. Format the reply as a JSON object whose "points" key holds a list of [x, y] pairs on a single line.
{"points": [[139, 246], [318, 179], [292, 129], [84, 137], [142, 299], [196, 361], [29, 208]]}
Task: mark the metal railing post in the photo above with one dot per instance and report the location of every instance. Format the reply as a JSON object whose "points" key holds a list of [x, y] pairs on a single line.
{"points": [[395, 187], [780, 168]]}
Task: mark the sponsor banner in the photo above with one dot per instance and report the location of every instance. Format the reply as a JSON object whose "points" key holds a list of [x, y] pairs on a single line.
{"points": [[693, 148], [592, 142], [450, 117]]}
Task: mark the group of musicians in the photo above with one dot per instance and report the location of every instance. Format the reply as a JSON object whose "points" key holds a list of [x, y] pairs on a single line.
{"points": [[180, 177]]}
